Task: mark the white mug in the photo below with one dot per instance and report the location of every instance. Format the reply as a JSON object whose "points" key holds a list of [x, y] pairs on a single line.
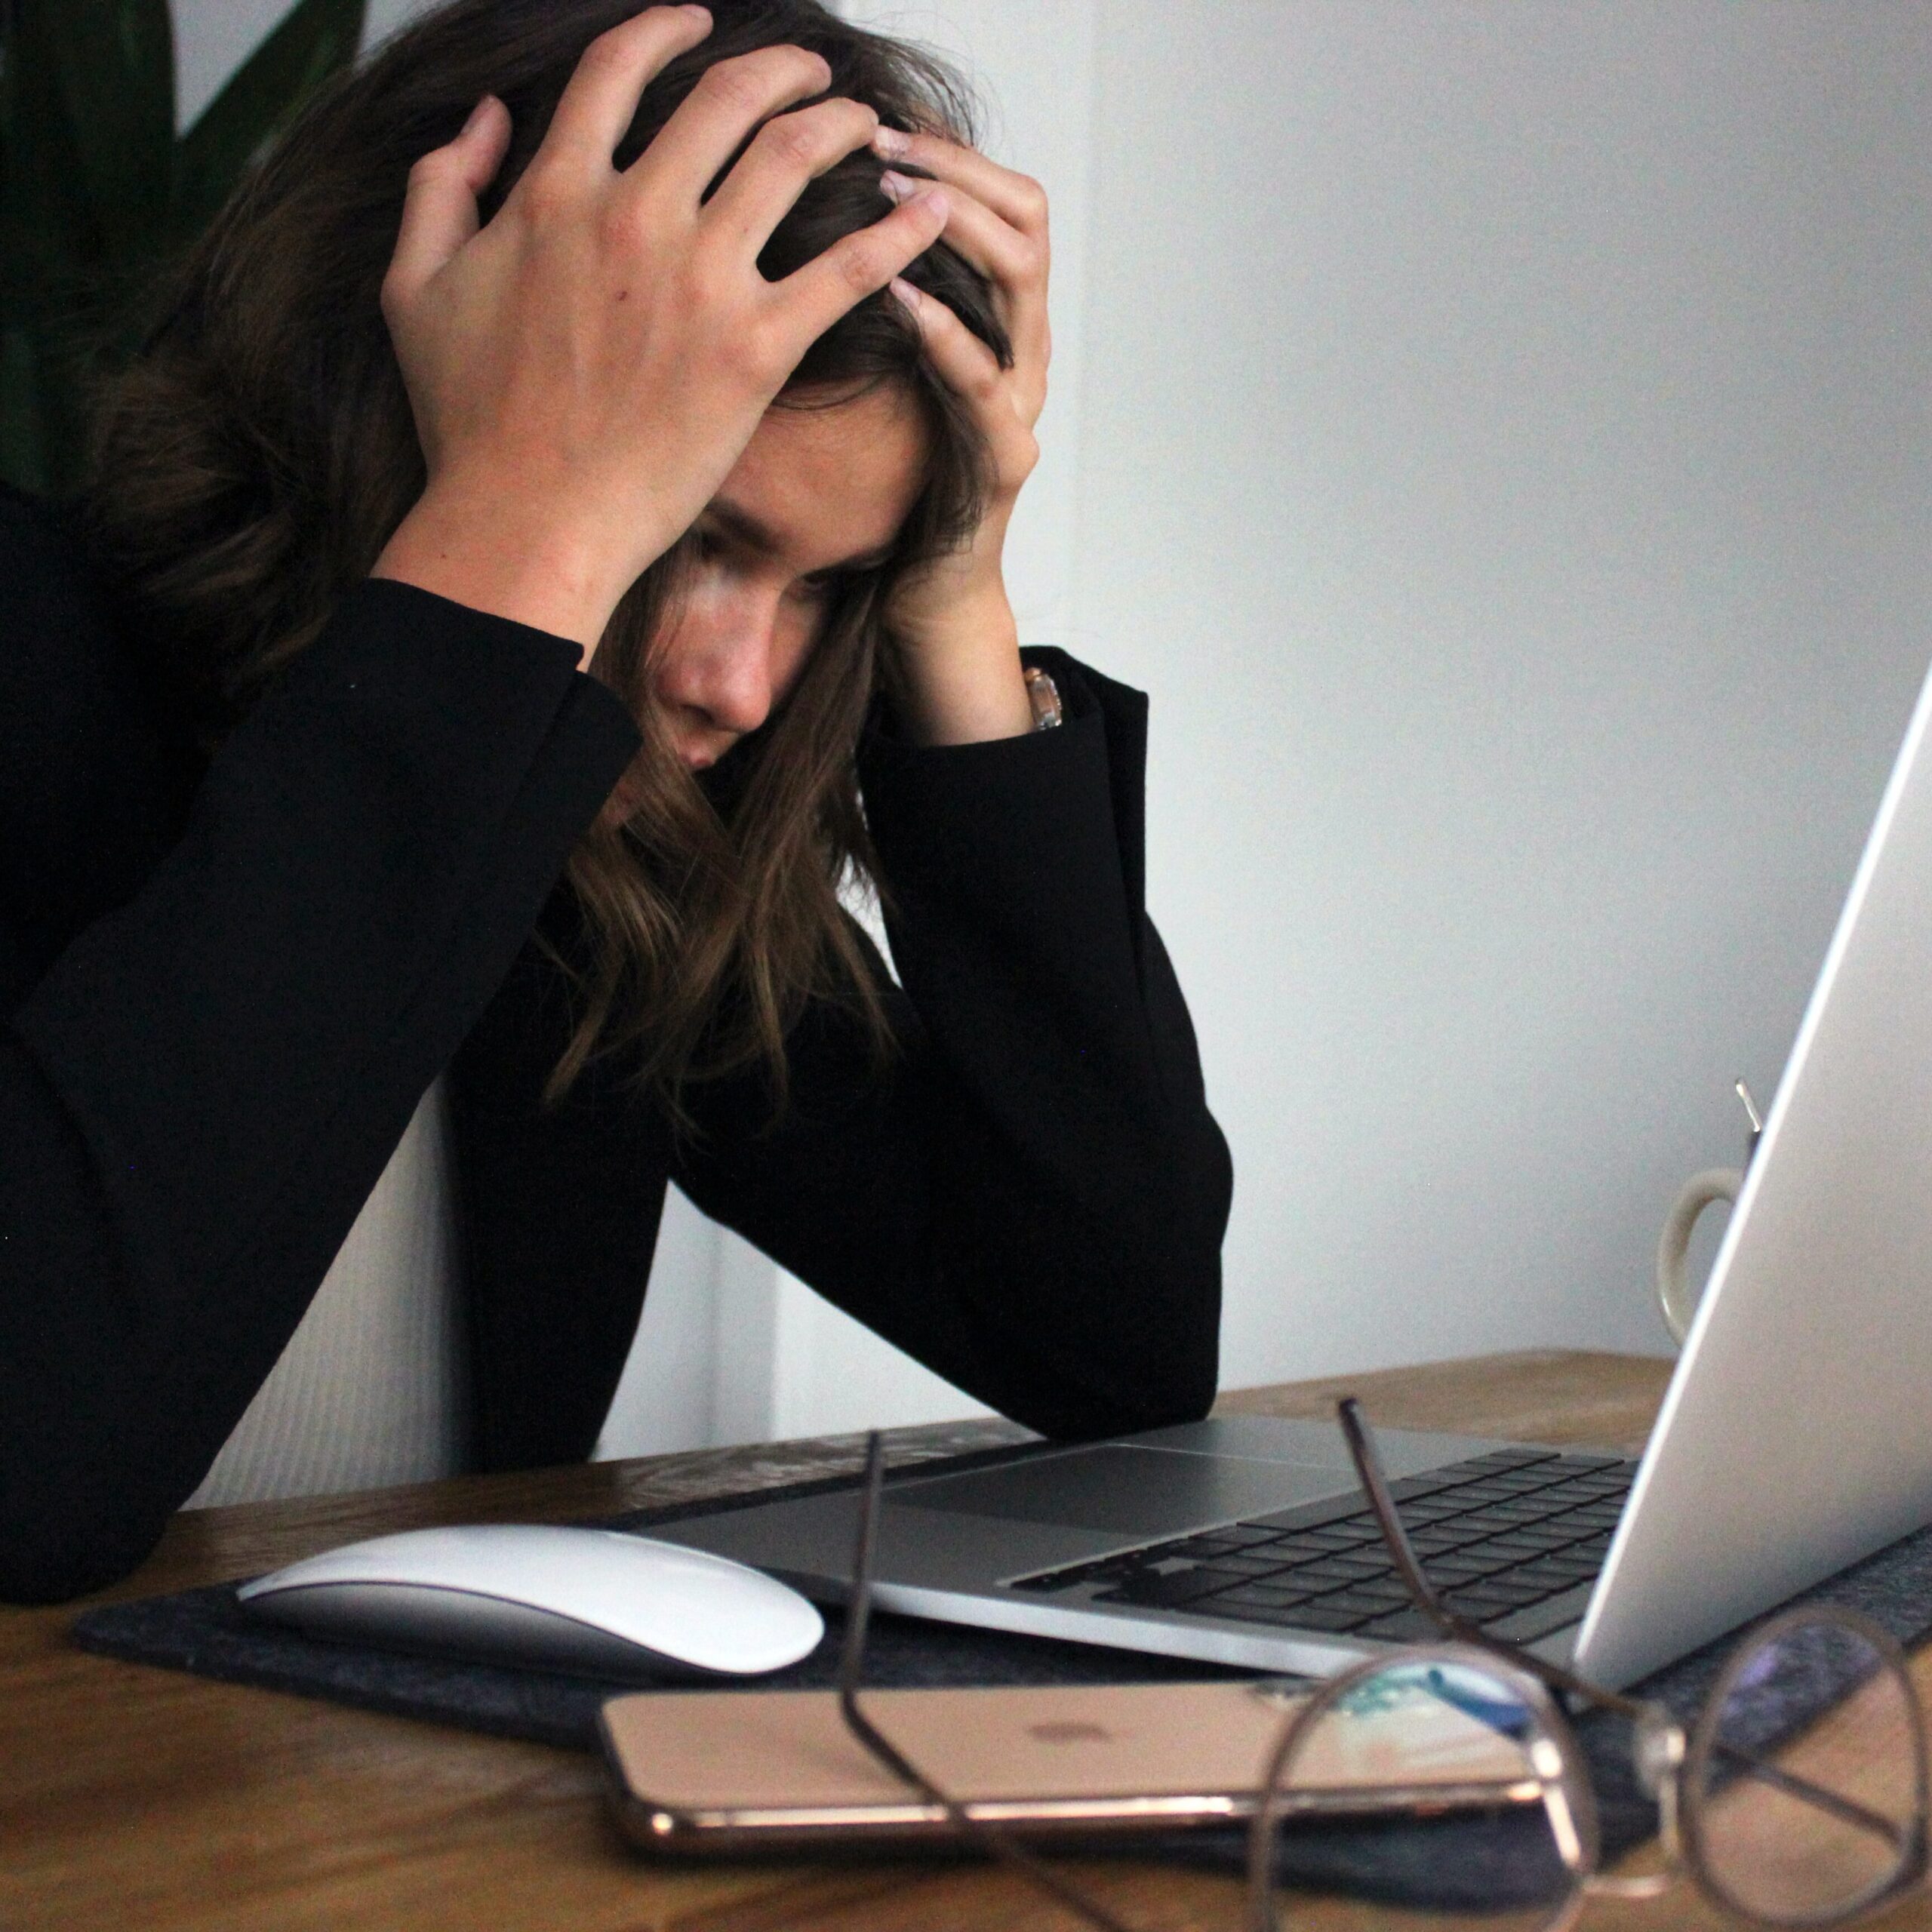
{"points": [[1675, 1296]]}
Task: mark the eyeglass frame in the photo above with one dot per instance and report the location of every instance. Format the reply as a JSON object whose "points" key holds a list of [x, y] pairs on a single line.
{"points": [[1668, 1761], [1665, 1755]]}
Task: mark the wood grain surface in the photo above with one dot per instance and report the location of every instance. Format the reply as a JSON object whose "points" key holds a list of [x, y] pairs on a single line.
{"points": [[137, 1798]]}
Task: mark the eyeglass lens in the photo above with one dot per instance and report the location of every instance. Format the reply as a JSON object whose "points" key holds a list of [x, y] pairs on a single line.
{"points": [[1802, 1789], [1496, 1844]]}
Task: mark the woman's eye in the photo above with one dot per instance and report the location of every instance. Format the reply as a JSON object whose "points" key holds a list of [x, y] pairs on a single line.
{"points": [[830, 587]]}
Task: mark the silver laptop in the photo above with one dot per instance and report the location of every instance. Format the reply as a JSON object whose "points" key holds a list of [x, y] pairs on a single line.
{"points": [[1796, 1436]]}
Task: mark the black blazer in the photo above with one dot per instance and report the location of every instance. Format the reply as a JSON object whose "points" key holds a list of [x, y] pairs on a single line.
{"points": [[228, 983]]}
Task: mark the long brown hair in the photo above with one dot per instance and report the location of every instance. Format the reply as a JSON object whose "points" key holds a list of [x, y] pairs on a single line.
{"points": [[252, 462]]}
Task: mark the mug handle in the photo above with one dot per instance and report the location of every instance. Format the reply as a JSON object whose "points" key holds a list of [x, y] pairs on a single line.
{"points": [[1675, 1297]]}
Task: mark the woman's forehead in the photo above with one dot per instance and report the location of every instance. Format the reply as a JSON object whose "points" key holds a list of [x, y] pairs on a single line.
{"points": [[822, 484]]}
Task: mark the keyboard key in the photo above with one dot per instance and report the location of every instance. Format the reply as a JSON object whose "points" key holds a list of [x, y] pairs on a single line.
{"points": [[1328, 1573], [1210, 1542], [1499, 1550], [1560, 1554], [1341, 1536], [1263, 1563], [1356, 1553], [1310, 1515], [1431, 1510], [1413, 1489], [1499, 1583], [1512, 1586], [1485, 1561], [1525, 1482], [1484, 1493], [1362, 1605], [1525, 1544], [1386, 1590], [1530, 1510], [1153, 1590], [1452, 1543], [1405, 1626], [1496, 1554], [1276, 1615], [1515, 1550], [1545, 1585], [1539, 1619], [1442, 1535], [1235, 1535], [1566, 1564], [1376, 1562], [1451, 1561], [1263, 1595], [1485, 1609], [1322, 1567], [1317, 1615]]}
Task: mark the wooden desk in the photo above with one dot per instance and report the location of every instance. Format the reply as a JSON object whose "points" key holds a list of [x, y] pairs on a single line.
{"points": [[131, 1797]]}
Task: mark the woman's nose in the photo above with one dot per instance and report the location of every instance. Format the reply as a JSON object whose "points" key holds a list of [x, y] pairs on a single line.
{"points": [[727, 669]]}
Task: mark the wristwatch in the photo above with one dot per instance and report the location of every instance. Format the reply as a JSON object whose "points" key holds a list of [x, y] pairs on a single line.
{"points": [[1044, 694]]}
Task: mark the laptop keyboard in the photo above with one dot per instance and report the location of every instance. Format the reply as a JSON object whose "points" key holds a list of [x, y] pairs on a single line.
{"points": [[1513, 1540]]}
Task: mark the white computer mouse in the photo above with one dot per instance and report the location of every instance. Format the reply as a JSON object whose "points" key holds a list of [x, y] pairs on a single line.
{"points": [[597, 1601]]}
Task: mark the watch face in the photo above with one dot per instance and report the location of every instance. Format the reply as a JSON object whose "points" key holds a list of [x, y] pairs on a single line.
{"points": [[1045, 695]]}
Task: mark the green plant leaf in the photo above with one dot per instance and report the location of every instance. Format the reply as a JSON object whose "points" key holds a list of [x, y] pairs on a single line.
{"points": [[319, 37], [43, 439], [113, 66], [23, 460], [49, 231]]}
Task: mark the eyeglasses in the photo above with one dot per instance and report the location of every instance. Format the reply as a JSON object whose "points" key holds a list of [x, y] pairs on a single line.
{"points": [[1798, 1798]]}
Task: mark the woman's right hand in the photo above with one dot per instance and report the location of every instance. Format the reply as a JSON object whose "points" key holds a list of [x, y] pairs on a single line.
{"points": [[585, 371]]}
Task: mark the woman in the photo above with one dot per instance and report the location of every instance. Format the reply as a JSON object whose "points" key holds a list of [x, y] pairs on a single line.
{"points": [[436, 751]]}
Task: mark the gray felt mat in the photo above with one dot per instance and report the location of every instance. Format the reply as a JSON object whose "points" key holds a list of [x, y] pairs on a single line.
{"points": [[1448, 1863]]}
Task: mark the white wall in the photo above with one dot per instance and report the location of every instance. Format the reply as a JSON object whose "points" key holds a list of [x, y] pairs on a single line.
{"points": [[1496, 435], [1505, 461]]}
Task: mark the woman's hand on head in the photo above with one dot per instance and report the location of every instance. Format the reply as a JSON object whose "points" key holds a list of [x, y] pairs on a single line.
{"points": [[584, 370], [960, 648]]}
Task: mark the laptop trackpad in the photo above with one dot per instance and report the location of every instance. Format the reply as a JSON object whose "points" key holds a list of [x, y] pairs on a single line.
{"points": [[1118, 1487]]}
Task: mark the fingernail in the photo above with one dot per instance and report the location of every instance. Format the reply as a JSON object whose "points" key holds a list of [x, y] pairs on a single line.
{"points": [[934, 198], [908, 296], [897, 187], [890, 143], [476, 114]]}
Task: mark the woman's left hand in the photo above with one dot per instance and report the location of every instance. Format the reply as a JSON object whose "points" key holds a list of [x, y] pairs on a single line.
{"points": [[960, 646]]}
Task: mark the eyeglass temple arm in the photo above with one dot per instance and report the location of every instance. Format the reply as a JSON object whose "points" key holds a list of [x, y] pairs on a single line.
{"points": [[851, 1671], [1368, 1459], [858, 1616]]}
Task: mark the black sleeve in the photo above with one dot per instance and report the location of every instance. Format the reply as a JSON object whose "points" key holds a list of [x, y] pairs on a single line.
{"points": [[1030, 1197], [198, 1093]]}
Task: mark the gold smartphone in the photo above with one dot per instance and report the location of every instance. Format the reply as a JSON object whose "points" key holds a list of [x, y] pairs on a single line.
{"points": [[742, 1771]]}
